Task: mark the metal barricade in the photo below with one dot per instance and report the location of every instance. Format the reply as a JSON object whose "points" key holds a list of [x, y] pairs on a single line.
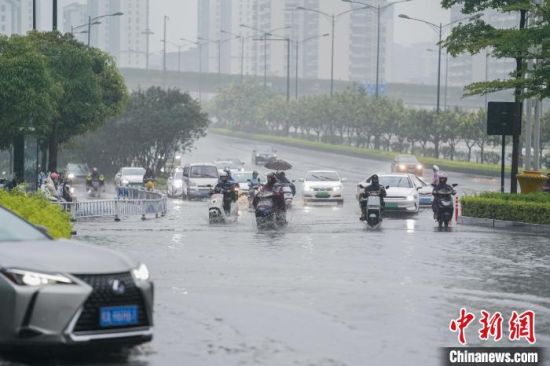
{"points": [[129, 202]]}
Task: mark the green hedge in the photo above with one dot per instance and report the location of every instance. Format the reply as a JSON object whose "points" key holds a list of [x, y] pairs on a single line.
{"points": [[448, 165], [529, 208], [39, 211]]}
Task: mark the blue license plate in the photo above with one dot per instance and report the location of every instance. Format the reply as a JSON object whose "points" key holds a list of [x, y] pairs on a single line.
{"points": [[118, 316]]}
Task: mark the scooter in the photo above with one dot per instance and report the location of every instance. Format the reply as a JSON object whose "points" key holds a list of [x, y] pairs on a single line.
{"points": [[252, 192], [94, 188], [444, 206], [289, 196], [267, 217], [216, 211], [373, 216]]}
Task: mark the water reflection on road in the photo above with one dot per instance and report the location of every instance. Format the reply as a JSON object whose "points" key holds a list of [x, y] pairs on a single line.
{"points": [[323, 291]]}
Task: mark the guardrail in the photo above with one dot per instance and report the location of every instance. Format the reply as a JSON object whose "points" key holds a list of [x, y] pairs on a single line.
{"points": [[129, 202]]}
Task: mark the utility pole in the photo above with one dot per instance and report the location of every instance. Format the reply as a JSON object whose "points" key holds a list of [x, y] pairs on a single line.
{"points": [[54, 15], [147, 33], [34, 14], [164, 49], [332, 58], [438, 109]]}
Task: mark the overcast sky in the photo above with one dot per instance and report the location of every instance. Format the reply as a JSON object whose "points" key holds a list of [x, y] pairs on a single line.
{"points": [[183, 19]]}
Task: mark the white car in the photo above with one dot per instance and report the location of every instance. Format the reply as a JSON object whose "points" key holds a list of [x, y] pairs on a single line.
{"points": [[130, 177], [175, 183], [323, 186], [401, 191], [242, 179]]}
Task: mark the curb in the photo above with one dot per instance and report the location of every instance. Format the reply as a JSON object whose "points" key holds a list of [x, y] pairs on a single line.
{"points": [[505, 225], [297, 144]]}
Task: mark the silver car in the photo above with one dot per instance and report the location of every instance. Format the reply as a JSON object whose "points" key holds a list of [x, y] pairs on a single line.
{"points": [[323, 186], [130, 177], [68, 293]]}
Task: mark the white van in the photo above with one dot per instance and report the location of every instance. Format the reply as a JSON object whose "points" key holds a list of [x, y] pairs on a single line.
{"points": [[199, 179]]}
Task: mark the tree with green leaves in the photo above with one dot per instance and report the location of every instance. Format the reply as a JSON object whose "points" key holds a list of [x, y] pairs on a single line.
{"points": [[521, 43], [91, 87], [28, 96]]}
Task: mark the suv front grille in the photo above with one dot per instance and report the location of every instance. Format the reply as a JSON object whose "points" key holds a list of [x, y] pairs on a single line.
{"points": [[103, 295]]}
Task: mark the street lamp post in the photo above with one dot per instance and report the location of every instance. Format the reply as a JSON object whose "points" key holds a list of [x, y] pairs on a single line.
{"points": [[332, 18], [166, 18], [147, 33], [287, 40], [264, 39], [242, 50], [94, 21], [303, 41], [379, 10], [439, 29]]}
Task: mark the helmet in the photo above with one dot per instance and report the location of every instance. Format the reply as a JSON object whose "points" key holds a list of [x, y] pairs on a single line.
{"points": [[282, 174], [224, 174], [374, 178], [443, 178], [54, 176], [435, 168], [94, 169], [255, 173]]}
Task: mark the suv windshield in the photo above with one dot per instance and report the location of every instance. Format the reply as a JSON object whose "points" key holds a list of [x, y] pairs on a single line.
{"points": [[133, 171], [322, 177], [241, 177], [407, 159], [77, 169], [395, 181], [12, 228], [203, 171]]}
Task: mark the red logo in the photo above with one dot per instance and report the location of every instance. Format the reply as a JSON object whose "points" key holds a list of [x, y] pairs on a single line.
{"points": [[522, 326], [461, 324]]}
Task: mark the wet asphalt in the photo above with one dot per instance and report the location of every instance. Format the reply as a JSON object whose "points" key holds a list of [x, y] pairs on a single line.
{"points": [[324, 290]]}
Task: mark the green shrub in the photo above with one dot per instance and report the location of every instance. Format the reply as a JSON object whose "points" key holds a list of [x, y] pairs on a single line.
{"points": [[530, 208], [38, 211]]}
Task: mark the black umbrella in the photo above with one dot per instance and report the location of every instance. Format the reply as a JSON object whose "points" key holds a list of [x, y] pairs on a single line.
{"points": [[278, 165]]}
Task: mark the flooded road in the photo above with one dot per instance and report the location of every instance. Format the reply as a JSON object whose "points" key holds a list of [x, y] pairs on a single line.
{"points": [[324, 291]]}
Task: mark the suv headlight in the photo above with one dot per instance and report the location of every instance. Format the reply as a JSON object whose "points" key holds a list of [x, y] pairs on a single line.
{"points": [[125, 182], [141, 273], [29, 278]]}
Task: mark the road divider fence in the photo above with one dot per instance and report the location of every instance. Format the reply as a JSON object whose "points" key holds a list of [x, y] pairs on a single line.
{"points": [[129, 202]]}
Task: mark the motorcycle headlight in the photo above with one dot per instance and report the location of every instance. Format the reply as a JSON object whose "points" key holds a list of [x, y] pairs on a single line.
{"points": [[410, 198], [29, 278], [71, 190], [141, 273]]}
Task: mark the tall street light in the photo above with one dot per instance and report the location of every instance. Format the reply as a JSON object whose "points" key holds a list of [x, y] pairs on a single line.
{"points": [[287, 40], [379, 9], [439, 29], [298, 43], [147, 32], [332, 18], [94, 21], [242, 50], [199, 45], [166, 18], [264, 34]]}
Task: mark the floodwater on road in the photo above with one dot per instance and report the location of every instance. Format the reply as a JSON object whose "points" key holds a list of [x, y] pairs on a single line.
{"points": [[324, 290]]}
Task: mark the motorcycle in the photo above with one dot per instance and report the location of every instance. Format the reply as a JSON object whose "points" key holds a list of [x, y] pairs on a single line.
{"points": [[94, 188], [252, 192], [267, 216], [289, 195], [444, 206], [216, 211], [373, 214]]}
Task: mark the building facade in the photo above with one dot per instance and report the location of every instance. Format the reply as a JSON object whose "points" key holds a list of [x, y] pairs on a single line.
{"points": [[15, 16]]}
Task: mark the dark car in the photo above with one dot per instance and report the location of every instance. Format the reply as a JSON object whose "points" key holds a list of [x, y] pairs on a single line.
{"points": [[407, 164], [263, 154], [65, 292], [76, 173]]}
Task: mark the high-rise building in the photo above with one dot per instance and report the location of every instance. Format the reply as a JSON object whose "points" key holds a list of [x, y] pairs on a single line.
{"points": [[15, 16], [466, 69]]}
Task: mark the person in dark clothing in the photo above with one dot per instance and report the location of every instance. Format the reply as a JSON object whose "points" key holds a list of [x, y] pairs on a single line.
{"points": [[272, 185], [226, 187], [374, 186], [149, 175], [441, 186], [283, 180]]}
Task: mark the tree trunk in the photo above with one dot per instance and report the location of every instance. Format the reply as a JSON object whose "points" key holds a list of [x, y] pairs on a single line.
{"points": [[482, 155], [52, 149], [436, 148], [19, 158], [377, 142]]}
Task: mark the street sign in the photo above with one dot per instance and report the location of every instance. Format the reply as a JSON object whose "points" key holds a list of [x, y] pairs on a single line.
{"points": [[503, 118]]}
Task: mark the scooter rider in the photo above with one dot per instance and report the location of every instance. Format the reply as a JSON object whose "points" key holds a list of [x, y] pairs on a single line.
{"points": [[255, 180], [95, 176], [224, 186], [282, 179], [441, 185], [374, 186], [278, 195]]}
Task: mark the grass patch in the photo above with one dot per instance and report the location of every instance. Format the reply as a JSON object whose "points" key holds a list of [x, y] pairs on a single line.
{"points": [[448, 165], [38, 211]]}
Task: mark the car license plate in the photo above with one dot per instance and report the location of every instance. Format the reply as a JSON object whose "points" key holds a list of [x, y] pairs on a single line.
{"points": [[391, 205], [117, 316], [322, 195]]}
